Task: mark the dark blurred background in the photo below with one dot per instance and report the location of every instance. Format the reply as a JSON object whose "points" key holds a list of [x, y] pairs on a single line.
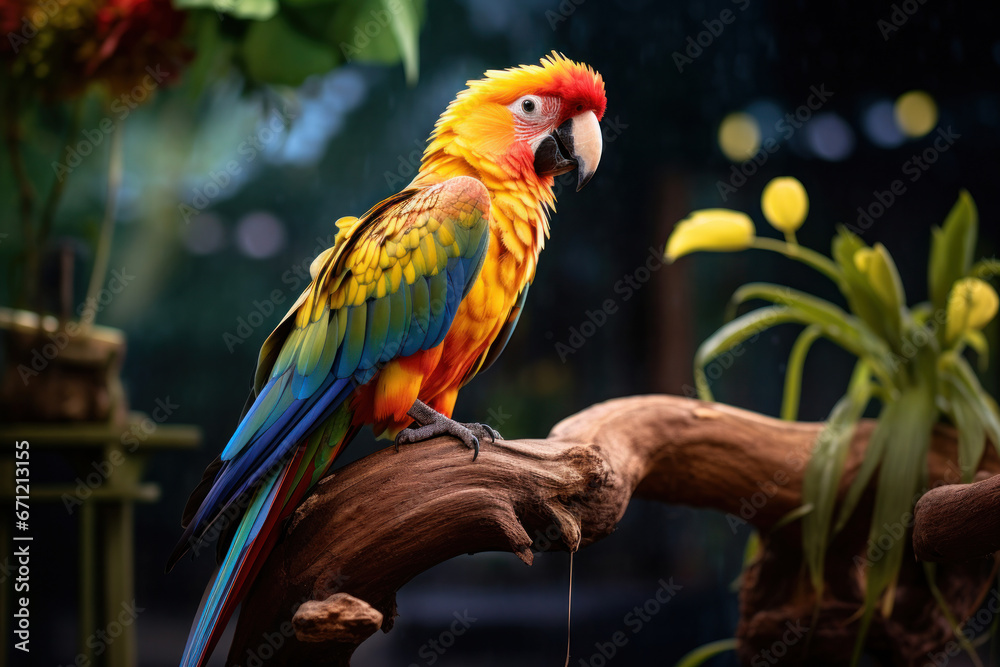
{"points": [[351, 145]]}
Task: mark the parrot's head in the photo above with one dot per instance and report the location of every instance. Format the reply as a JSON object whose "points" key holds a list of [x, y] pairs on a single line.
{"points": [[534, 122]]}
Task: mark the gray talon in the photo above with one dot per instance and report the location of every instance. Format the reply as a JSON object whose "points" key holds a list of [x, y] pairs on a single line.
{"points": [[433, 424]]}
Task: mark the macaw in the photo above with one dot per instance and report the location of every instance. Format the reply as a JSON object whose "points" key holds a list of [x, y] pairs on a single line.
{"points": [[414, 299]]}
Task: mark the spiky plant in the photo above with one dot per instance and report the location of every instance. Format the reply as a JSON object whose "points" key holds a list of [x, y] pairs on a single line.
{"points": [[910, 360]]}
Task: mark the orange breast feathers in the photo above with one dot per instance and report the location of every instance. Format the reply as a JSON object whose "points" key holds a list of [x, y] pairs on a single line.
{"points": [[434, 376]]}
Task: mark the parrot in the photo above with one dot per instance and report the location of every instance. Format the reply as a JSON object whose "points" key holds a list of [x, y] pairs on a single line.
{"points": [[415, 298]]}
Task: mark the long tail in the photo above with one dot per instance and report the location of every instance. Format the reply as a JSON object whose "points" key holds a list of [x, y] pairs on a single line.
{"points": [[272, 502]]}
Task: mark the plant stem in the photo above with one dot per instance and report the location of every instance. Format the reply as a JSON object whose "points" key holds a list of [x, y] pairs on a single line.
{"points": [[809, 257], [26, 197], [59, 185], [103, 254]]}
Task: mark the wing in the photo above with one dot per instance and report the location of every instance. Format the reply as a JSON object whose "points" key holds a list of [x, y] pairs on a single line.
{"points": [[389, 287]]}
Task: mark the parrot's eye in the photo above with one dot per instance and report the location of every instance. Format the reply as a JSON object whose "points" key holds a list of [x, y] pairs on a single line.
{"points": [[528, 105]]}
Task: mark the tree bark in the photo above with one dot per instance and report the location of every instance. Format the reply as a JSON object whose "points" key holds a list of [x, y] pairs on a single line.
{"points": [[374, 525]]}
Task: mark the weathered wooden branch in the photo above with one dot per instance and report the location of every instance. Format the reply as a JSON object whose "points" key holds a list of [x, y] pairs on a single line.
{"points": [[377, 523], [959, 522]]}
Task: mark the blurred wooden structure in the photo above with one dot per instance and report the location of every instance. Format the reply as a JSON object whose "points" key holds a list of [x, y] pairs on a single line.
{"points": [[71, 403], [104, 510]]}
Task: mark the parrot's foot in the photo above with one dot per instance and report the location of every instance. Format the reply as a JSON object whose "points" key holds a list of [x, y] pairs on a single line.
{"points": [[434, 424]]}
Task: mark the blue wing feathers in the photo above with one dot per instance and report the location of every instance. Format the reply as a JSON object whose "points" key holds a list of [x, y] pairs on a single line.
{"points": [[438, 287], [419, 318], [397, 324], [353, 344], [378, 329], [268, 447]]}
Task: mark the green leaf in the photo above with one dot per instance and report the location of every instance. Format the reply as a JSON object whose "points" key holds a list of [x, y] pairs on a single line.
{"points": [[793, 516], [862, 299], [255, 10], [703, 653], [823, 311], [747, 327], [276, 53], [884, 281], [821, 482], [902, 475], [382, 31], [839, 326], [751, 551], [406, 29], [873, 456], [952, 248], [793, 372], [971, 435], [977, 341], [956, 371]]}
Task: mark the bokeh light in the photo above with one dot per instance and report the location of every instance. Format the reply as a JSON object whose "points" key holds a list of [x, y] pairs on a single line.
{"points": [[204, 235], [829, 137], [260, 235], [739, 136], [880, 125], [768, 115], [916, 113]]}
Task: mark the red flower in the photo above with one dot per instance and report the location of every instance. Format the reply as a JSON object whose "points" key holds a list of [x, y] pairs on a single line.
{"points": [[63, 46]]}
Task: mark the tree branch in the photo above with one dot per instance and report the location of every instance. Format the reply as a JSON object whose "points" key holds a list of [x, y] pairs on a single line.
{"points": [[958, 523], [374, 525]]}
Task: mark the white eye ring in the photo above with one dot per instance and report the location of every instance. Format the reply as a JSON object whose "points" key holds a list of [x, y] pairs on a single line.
{"points": [[529, 105]]}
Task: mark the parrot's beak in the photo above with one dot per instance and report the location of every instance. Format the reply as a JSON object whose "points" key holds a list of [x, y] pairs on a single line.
{"points": [[576, 144]]}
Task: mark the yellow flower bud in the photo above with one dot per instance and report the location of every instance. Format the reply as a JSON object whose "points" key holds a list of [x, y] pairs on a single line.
{"points": [[785, 204], [972, 303], [718, 229], [877, 265]]}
